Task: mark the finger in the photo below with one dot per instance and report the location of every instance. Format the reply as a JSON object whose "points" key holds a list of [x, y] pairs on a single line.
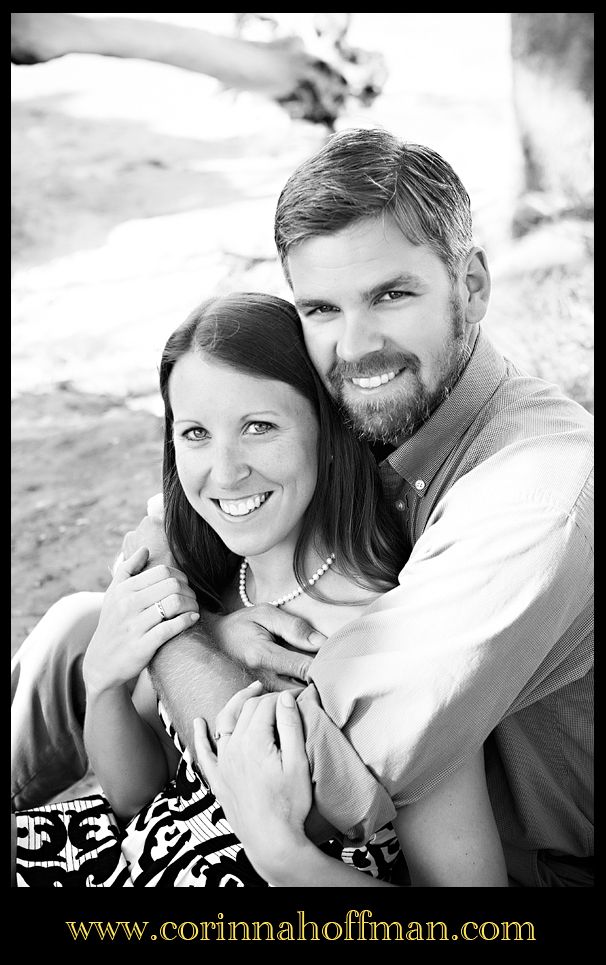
{"points": [[285, 663], [275, 683], [258, 719], [245, 723], [156, 574], [164, 630], [175, 597], [203, 751], [294, 630], [132, 565], [166, 611], [292, 736], [228, 716], [128, 542]]}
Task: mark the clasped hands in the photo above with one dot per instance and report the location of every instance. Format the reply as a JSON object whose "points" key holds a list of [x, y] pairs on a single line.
{"points": [[260, 775]]}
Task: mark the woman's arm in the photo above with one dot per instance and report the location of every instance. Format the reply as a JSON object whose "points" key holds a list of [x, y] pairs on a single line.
{"points": [[450, 838], [124, 750]]}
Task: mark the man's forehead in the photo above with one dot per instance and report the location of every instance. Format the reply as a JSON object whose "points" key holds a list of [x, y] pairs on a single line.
{"points": [[317, 268], [370, 242]]}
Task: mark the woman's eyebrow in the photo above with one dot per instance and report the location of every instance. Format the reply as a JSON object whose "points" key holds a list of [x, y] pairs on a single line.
{"points": [[255, 414]]}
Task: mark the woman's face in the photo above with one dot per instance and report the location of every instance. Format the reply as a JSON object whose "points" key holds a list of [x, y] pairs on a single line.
{"points": [[246, 452]]}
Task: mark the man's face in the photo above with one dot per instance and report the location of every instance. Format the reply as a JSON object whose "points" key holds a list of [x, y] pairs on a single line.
{"points": [[382, 323]]}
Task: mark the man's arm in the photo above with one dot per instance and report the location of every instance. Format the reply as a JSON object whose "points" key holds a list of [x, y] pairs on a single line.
{"points": [[195, 679], [478, 628]]}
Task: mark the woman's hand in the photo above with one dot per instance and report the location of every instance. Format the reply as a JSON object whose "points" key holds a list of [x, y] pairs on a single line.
{"points": [[261, 780], [132, 626]]}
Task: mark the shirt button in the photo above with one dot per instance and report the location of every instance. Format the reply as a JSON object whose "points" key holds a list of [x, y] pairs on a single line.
{"points": [[401, 505], [420, 485]]}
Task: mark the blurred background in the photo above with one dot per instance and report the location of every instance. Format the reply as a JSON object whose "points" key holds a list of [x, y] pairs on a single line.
{"points": [[148, 152]]}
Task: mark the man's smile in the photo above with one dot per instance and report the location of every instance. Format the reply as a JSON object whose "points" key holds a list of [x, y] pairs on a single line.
{"points": [[374, 381]]}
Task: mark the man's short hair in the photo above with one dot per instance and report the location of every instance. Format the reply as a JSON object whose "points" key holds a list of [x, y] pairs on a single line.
{"points": [[366, 173]]}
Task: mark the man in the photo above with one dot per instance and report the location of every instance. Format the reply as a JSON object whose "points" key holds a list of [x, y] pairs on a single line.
{"points": [[487, 639]]}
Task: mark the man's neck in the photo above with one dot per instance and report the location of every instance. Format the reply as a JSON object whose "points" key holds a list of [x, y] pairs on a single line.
{"points": [[381, 450]]}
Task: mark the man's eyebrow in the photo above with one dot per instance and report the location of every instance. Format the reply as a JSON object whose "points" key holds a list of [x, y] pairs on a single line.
{"points": [[403, 280]]}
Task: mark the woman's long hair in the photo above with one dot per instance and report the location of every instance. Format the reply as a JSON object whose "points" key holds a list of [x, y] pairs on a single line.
{"points": [[261, 335]]}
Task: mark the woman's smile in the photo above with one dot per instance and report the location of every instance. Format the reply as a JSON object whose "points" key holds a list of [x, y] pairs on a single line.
{"points": [[242, 506]]}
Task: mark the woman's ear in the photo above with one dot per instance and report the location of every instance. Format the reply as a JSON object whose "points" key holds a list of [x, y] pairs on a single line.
{"points": [[476, 286]]}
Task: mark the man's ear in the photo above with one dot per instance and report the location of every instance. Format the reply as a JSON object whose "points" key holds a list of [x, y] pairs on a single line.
{"points": [[476, 283]]}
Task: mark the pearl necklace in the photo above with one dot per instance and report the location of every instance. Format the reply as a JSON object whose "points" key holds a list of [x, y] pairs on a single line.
{"points": [[289, 596]]}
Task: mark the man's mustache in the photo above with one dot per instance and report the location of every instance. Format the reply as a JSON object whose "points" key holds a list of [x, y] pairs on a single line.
{"points": [[376, 363]]}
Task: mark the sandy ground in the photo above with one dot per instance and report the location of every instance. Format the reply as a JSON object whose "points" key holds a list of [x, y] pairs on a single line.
{"points": [[138, 189]]}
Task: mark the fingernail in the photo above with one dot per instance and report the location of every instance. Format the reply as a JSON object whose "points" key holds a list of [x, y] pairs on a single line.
{"points": [[316, 638], [194, 616], [286, 698], [255, 683]]}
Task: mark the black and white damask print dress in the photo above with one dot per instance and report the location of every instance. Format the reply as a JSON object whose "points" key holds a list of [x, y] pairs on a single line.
{"points": [[180, 840]]}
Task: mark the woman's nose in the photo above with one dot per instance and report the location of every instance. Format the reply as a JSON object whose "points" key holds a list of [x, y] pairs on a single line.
{"points": [[228, 467]]}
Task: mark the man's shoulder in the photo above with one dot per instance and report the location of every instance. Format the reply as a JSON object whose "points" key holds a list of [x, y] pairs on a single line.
{"points": [[530, 438], [525, 407]]}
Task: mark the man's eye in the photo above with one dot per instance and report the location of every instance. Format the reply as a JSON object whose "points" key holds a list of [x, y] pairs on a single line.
{"points": [[259, 428], [195, 434], [393, 296]]}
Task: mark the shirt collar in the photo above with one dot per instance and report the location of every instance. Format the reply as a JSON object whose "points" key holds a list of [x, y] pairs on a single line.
{"points": [[419, 457]]}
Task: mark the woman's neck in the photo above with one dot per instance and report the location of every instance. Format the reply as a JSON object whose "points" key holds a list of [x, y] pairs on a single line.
{"points": [[271, 575]]}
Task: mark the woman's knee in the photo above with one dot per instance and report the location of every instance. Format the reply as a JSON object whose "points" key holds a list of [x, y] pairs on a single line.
{"points": [[65, 630], [83, 606]]}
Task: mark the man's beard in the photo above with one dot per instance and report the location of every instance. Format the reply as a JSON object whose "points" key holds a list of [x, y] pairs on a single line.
{"points": [[394, 419]]}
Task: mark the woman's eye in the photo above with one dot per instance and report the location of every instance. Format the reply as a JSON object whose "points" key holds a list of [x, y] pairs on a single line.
{"points": [[259, 428], [195, 434]]}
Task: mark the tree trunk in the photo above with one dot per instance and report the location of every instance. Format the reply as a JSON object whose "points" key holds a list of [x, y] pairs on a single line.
{"points": [[552, 57]]}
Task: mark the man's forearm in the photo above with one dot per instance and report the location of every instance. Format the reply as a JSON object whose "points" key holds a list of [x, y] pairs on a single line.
{"points": [[195, 679]]}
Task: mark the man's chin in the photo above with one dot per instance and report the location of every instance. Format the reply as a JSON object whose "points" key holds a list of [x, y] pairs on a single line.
{"points": [[389, 420], [387, 427]]}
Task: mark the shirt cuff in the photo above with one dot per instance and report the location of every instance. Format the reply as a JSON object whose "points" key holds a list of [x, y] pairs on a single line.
{"points": [[346, 793]]}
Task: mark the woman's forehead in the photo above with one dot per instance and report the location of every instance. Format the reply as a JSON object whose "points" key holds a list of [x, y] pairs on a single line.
{"points": [[202, 381]]}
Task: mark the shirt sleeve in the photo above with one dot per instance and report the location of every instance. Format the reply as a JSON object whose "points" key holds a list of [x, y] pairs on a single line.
{"points": [[473, 631]]}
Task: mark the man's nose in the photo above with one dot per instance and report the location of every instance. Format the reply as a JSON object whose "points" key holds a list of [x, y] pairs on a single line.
{"points": [[229, 467], [359, 337]]}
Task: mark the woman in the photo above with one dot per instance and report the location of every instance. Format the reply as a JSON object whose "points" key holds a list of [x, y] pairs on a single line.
{"points": [[259, 507]]}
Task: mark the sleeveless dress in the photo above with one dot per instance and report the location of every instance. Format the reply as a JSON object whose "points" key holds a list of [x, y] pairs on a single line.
{"points": [[181, 839]]}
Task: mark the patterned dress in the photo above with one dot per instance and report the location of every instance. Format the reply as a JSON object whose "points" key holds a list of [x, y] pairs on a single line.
{"points": [[180, 840]]}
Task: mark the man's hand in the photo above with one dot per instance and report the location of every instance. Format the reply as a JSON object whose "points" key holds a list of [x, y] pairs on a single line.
{"points": [[249, 637], [150, 533]]}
